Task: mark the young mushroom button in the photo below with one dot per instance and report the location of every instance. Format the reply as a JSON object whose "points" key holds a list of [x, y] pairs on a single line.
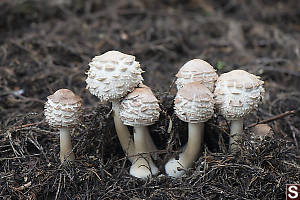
{"points": [[197, 70], [112, 76], [140, 109], [237, 94], [194, 104], [63, 111]]}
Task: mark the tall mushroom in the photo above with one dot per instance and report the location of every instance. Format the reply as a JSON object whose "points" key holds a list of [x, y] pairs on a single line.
{"points": [[194, 104], [197, 70], [111, 76], [63, 111], [140, 109], [237, 94]]}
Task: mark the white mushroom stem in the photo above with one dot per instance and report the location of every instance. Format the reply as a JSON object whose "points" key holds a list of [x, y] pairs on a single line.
{"points": [[123, 132], [176, 168], [236, 131], [150, 146], [143, 165], [66, 152]]}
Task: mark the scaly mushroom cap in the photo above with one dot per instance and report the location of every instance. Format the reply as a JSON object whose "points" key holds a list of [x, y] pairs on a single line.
{"points": [[261, 131], [194, 103], [140, 107], [238, 93], [112, 75], [63, 109], [197, 70]]}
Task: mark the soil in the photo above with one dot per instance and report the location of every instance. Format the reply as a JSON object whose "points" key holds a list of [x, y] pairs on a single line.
{"points": [[47, 45]]}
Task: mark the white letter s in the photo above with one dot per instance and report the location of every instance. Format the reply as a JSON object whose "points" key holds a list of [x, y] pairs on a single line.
{"points": [[293, 189]]}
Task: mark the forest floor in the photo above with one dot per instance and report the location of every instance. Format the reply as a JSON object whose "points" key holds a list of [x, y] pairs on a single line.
{"points": [[47, 45]]}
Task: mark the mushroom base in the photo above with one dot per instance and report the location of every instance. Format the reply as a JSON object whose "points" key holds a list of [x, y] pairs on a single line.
{"points": [[176, 168], [143, 166]]}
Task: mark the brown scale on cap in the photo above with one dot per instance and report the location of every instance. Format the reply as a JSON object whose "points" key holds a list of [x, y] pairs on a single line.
{"points": [[64, 97], [112, 56], [140, 107], [197, 70], [238, 93], [63, 109], [194, 103]]}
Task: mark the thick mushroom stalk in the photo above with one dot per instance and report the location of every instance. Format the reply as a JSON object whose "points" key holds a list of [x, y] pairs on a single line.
{"points": [[63, 111], [140, 109], [123, 132], [194, 104], [237, 94], [112, 76]]}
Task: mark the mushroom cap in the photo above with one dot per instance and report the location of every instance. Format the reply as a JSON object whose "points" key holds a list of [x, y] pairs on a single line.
{"points": [[238, 93], [112, 75], [261, 131], [140, 107], [194, 103], [197, 70], [63, 109]]}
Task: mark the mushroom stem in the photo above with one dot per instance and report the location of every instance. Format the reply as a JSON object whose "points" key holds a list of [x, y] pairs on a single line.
{"points": [[123, 132], [194, 144], [66, 152], [143, 165], [236, 131], [176, 168], [150, 146]]}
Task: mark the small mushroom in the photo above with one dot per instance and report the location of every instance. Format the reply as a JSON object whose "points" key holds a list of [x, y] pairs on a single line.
{"points": [[63, 111], [197, 70], [260, 131], [112, 76], [140, 109], [237, 94], [194, 103]]}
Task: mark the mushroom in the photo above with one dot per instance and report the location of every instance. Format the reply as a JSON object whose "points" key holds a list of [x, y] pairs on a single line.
{"points": [[140, 109], [237, 94], [194, 103], [197, 70], [63, 111], [260, 131], [111, 76]]}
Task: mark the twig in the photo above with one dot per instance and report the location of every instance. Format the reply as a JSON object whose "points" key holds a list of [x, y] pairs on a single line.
{"points": [[279, 116], [58, 188]]}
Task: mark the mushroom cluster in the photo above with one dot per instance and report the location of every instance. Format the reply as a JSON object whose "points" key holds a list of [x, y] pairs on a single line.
{"points": [[194, 103], [117, 78], [140, 109], [112, 76]]}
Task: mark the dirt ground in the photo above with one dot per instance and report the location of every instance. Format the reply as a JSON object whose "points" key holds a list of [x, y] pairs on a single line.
{"points": [[47, 45]]}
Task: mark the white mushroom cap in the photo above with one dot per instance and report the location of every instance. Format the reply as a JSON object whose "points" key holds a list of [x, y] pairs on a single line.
{"points": [[63, 109], [140, 107], [197, 70], [194, 103], [238, 93], [112, 75]]}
